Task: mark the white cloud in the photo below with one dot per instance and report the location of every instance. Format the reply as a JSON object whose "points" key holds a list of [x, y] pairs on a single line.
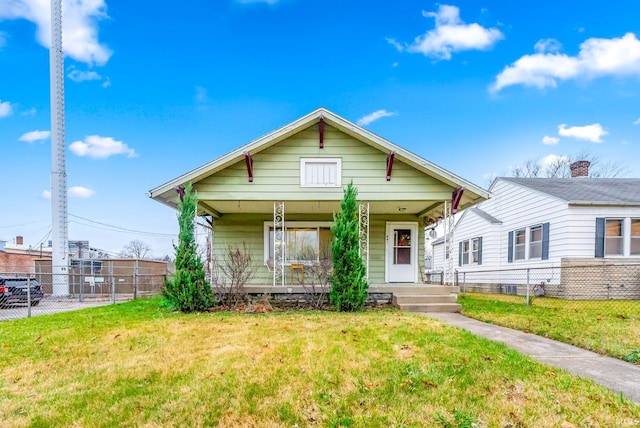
{"points": [[201, 95], [73, 192], [547, 46], [80, 192], [637, 122], [550, 140], [597, 58], [97, 147], [106, 83], [593, 133], [82, 76], [450, 35], [393, 42], [551, 160], [5, 109], [79, 25], [31, 112], [33, 136], [372, 117]]}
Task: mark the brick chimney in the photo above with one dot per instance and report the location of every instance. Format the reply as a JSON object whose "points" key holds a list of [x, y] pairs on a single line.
{"points": [[19, 240], [580, 168]]}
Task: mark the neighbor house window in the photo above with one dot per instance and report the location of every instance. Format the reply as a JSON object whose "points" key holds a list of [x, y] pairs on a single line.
{"points": [[465, 252], [519, 246], [635, 236], [320, 172], [614, 237], [304, 242], [470, 251], [535, 242], [529, 243]]}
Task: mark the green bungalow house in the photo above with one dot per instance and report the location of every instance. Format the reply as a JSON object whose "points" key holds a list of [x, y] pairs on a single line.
{"points": [[277, 196]]}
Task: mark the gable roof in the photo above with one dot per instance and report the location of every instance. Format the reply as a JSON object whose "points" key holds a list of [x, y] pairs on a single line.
{"points": [[472, 194], [485, 215], [585, 191]]}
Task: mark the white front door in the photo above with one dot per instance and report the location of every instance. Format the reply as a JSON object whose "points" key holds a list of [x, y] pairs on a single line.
{"points": [[402, 252]]}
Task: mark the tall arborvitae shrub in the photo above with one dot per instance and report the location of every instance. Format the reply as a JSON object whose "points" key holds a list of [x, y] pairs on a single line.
{"points": [[187, 290], [349, 284]]}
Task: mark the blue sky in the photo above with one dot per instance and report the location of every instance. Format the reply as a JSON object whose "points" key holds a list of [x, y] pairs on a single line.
{"points": [[154, 90]]}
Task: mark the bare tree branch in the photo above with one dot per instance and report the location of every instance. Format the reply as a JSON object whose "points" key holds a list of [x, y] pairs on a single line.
{"points": [[136, 250]]}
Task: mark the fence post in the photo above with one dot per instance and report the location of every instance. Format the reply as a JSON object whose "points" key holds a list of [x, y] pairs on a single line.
{"points": [[528, 271], [135, 281], [28, 296], [464, 284], [81, 285], [113, 289]]}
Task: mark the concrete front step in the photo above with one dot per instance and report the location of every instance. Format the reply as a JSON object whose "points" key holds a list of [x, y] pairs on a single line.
{"points": [[424, 298], [430, 307]]}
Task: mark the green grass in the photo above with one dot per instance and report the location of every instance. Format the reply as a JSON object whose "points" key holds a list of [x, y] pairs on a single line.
{"points": [[136, 364], [608, 327]]}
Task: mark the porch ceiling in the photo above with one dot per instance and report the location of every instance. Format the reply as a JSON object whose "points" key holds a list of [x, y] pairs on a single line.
{"points": [[220, 208]]}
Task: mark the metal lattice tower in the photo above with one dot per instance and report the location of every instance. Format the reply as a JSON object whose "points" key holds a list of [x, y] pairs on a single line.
{"points": [[59, 220], [448, 244]]}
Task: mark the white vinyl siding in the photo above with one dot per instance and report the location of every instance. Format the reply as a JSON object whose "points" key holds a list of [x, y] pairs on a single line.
{"points": [[320, 172]]}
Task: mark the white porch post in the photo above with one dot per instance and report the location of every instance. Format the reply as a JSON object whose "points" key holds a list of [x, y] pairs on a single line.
{"points": [[278, 243], [363, 222]]}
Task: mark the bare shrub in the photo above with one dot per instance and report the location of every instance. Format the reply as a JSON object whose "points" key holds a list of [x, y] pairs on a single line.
{"points": [[231, 273], [318, 285]]}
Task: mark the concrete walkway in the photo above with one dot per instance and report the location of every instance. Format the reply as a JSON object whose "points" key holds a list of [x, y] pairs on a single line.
{"points": [[616, 375]]}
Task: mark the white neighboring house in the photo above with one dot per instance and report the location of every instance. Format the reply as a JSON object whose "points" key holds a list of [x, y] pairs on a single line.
{"points": [[545, 224]]}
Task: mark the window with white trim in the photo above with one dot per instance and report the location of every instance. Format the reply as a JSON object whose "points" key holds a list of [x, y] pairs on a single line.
{"points": [[305, 242], [470, 249], [520, 244], [320, 172], [529, 243], [614, 237], [635, 237], [535, 242]]}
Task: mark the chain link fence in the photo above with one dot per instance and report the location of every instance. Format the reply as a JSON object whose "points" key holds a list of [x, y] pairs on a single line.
{"points": [[29, 291], [569, 285]]}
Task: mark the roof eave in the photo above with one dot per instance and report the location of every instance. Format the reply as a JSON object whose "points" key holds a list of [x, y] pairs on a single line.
{"points": [[605, 203]]}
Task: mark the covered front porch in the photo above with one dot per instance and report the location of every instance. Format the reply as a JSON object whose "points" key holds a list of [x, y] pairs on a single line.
{"points": [[290, 243]]}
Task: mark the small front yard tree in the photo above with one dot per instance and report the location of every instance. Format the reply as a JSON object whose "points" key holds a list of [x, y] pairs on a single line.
{"points": [[188, 290], [349, 283]]}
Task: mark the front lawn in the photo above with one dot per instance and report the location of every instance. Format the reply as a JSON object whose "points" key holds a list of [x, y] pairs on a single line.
{"points": [[608, 327], [135, 364]]}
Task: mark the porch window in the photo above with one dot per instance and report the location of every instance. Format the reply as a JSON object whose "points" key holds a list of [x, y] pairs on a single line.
{"points": [[320, 172], [635, 236], [614, 238], [520, 244], [535, 242], [304, 242]]}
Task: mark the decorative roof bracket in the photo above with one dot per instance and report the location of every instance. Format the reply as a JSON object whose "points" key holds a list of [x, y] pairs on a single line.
{"points": [[249, 161], [321, 131], [456, 196], [180, 190], [390, 158]]}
